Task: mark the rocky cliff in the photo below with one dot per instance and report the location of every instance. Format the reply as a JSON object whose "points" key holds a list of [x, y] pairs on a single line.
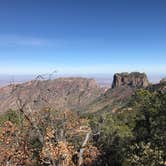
{"points": [[134, 79]]}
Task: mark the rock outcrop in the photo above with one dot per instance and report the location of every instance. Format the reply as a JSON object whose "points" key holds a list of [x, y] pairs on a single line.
{"points": [[134, 79]]}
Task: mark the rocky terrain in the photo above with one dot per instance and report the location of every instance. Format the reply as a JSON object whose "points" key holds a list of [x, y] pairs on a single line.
{"points": [[76, 94], [123, 87], [61, 94]]}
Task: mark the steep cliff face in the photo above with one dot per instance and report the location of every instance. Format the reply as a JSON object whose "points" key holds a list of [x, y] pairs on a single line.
{"points": [[133, 79], [62, 93]]}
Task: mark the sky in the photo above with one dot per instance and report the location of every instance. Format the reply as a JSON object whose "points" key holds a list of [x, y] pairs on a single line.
{"points": [[82, 36]]}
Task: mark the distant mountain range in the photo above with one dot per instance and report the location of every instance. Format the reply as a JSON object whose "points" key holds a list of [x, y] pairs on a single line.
{"points": [[102, 79], [74, 93]]}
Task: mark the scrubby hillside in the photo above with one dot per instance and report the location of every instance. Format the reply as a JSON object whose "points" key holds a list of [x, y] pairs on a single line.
{"points": [[60, 94], [134, 136]]}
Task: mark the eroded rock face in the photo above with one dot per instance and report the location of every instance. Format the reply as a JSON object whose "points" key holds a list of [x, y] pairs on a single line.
{"points": [[134, 79]]}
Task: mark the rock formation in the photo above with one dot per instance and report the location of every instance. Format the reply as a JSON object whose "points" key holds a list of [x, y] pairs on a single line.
{"points": [[75, 94], [134, 79]]}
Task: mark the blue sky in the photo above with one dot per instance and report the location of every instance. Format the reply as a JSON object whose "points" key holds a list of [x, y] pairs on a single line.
{"points": [[82, 36]]}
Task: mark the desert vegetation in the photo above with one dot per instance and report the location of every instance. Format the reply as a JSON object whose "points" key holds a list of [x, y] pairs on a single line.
{"points": [[134, 135], [62, 102], [127, 130]]}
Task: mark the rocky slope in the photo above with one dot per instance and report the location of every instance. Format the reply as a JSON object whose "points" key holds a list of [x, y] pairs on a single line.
{"points": [[78, 94], [123, 87], [62, 93], [160, 87], [111, 100]]}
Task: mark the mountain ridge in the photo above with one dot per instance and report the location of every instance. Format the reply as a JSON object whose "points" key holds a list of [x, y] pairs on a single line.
{"points": [[61, 93], [74, 93]]}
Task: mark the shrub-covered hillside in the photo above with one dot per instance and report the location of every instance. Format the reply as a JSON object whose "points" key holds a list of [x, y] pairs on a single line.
{"points": [[134, 135]]}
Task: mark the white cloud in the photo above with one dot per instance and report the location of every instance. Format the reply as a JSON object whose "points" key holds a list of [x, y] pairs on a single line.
{"points": [[18, 40]]}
